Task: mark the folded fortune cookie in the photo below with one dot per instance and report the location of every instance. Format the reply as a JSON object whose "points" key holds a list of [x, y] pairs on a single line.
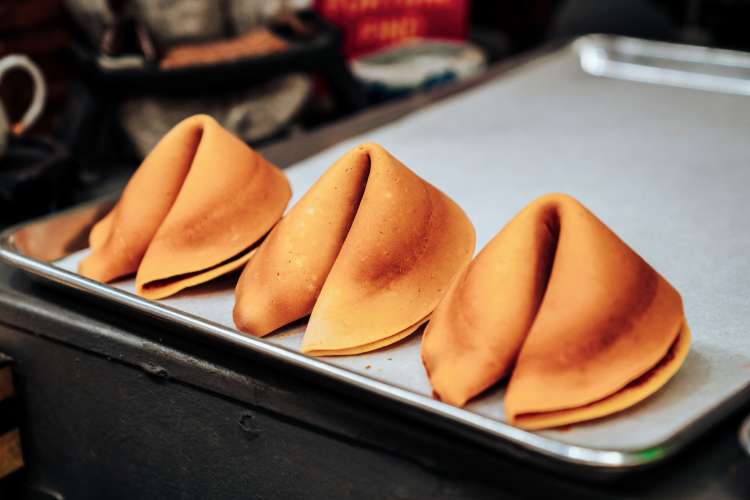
{"points": [[368, 250], [191, 212], [591, 327]]}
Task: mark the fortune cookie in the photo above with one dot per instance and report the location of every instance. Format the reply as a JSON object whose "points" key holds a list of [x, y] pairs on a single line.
{"points": [[584, 324], [191, 212], [367, 252]]}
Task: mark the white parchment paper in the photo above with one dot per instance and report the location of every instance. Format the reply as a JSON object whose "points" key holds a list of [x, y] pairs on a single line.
{"points": [[667, 169]]}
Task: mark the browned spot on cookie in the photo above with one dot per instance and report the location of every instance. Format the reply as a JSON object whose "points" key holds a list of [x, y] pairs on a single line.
{"points": [[662, 363], [399, 259], [616, 326]]}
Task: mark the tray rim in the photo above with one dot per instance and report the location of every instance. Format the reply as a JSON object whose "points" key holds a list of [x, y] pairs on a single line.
{"points": [[495, 433], [598, 53]]}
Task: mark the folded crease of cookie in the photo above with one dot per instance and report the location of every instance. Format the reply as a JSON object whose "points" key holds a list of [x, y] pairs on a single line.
{"points": [[194, 210], [367, 253], [581, 323]]}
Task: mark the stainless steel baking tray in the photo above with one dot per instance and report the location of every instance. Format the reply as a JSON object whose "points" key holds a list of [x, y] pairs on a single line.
{"points": [[666, 167]]}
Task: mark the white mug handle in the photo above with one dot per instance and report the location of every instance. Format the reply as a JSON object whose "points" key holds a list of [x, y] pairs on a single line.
{"points": [[40, 88]]}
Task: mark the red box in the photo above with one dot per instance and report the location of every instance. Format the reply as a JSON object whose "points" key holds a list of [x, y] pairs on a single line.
{"points": [[367, 25]]}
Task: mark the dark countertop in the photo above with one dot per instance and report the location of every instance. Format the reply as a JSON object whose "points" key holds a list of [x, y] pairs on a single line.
{"points": [[34, 315]]}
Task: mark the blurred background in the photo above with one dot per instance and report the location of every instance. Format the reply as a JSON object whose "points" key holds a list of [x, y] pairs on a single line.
{"points": [[115, 75]]}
